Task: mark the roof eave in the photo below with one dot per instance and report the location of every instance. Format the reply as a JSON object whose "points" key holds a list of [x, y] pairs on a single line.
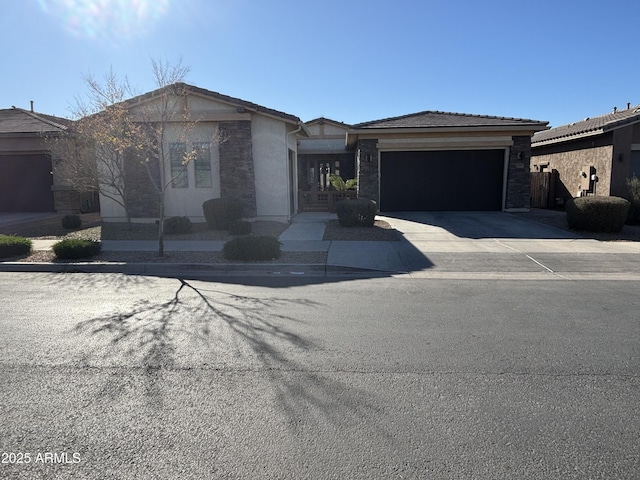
{"points": [[353, 134], [568, 138]]}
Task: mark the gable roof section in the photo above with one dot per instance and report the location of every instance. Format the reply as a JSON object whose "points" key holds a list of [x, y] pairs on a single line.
{"points": [[436, 119], [321, 120], [186, 88], [587, 127], [19, 121]]}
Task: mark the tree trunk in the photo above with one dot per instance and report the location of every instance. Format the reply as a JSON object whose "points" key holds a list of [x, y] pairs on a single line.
{"points": [[161, 228]]}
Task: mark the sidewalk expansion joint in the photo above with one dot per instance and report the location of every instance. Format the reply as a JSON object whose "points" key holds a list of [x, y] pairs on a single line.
{"points": [[530, 258]]}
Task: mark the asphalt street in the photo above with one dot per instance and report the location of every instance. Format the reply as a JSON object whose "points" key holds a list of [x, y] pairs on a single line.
{"points": [[120, 376]]}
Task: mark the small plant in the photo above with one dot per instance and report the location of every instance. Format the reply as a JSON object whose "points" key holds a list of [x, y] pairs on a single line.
{"points": [[633, 185], [342, 186], [72, 248], [221, 212], [356, 213], [239, 227], [597, 214], [252, 248], [11, 245], [71, 222], [177, 225]]}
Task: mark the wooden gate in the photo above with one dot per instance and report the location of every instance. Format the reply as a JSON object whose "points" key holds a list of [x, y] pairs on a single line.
{"points": [[543, 189], [322, 201]]}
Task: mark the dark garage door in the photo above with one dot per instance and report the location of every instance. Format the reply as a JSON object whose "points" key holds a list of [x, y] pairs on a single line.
{"points": [[443, 180], [25, 183]]}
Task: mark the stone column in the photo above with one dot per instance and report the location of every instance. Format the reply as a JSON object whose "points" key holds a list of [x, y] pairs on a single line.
{"points": [[367, 170], [519, 175], [237, 177]]}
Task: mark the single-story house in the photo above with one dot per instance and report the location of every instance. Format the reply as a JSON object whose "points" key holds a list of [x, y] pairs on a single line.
{"points": [[279, 165], [29, 180], [594, 156]]}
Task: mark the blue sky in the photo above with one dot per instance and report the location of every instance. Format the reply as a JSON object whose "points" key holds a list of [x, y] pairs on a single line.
{"points": [[349, 60]]}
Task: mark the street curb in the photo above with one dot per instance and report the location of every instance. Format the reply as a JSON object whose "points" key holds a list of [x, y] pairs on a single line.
{"points": [[180, 269]]}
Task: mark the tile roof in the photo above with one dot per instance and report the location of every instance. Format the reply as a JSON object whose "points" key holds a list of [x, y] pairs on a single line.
{"points": [[208, 93], [17, 120], [588, 126], [327, 120], [434, 119]]}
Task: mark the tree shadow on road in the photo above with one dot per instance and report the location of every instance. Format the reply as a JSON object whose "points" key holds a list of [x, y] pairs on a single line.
{"points": [[199, 327]]}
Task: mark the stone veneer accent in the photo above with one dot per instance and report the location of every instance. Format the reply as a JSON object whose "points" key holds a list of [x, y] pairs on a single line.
{"points": [[66, 199], [367, 170], [142, 196], [237, 177], [518, 174]]}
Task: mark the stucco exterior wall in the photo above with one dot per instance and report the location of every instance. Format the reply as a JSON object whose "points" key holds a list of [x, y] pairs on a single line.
{"points": [[270, 152], [623, 141], [570, 158], [188, 201], [322, 145]]}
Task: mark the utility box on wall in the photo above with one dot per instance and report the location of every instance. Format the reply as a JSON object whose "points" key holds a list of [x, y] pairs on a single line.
{"points": [[586, 178]]}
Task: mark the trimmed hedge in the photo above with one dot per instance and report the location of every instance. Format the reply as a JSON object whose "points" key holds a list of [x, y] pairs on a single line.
{"points": [[633, 185], [72, 248], [175, 225], [220, 213], [11, 245], [71, 222], [252, 248], [356, 212], [597, 214], [238, 227]]}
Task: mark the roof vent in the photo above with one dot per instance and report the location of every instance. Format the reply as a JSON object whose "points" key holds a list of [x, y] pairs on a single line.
{"points": [[615, 109]]}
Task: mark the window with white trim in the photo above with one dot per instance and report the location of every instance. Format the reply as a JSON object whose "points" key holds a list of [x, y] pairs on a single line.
{"points": [[177, 154], [202, 164]]}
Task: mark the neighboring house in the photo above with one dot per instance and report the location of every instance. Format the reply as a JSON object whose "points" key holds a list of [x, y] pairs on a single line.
{"points": [[594, 156], [29, 180], [255, 159], [444, 161]]}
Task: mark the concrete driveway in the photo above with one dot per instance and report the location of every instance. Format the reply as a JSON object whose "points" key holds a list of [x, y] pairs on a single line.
{"points": [[443, 243], [8, 219]]}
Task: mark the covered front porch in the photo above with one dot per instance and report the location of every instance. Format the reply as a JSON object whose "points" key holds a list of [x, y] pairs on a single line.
{"points": [[315, 192]]}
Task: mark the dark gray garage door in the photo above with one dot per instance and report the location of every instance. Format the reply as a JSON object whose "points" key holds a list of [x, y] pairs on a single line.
{"points": [[445, 180], [25, 183]]}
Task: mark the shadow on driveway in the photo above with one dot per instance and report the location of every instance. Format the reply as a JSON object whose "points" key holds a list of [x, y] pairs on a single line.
{"points": [[473, 225]]}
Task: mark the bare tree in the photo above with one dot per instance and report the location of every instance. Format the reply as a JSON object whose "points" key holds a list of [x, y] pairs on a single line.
{"points": [[166, 118], [93, 152], [114, 129]]}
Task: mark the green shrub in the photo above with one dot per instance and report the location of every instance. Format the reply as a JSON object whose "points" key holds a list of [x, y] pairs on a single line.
{"points": [[341, 185], [356, 213], [10, 246], [221, 212], [174, 225], [597, 214], [238, 227], [252, 248], [71, 222], [71, 248], [633, 185]]}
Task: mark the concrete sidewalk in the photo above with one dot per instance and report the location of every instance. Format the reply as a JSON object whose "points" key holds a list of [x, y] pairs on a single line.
{"points": [[434, 245]]}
